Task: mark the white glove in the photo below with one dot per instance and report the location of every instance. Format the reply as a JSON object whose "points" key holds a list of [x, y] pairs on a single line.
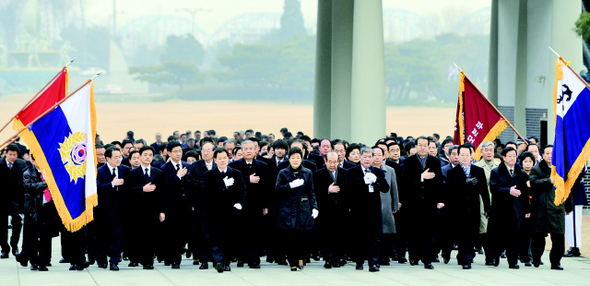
{"points": [[228, 182], [370, 178], [296, 183], [238, 207], [314, 213]]}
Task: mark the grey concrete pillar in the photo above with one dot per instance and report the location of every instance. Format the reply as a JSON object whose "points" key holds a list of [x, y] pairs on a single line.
{"points": [[493, 61], [368, 73], [342, 23], [322, 91], [521, 78]]}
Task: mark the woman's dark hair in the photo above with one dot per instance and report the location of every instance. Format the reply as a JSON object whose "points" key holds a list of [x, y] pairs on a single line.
{"points": [[525, 155], [351, 148], [295, 150]]}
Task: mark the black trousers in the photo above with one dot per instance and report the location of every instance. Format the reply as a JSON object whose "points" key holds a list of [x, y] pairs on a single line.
{"points": [[16, 221], [108, 240], [557, 248], [38, 246], [508, 241], [73, 246], [295, 244]]}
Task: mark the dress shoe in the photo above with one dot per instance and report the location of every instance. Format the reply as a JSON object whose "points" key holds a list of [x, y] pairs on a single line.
{"points": [[294, 268], [467, 266], [204, 265], [195, 262], [63, 260], [572, 252], [536, 263], [114, 267], [4, 254], [240, 263], [148, 267], [342, 262], [133, 264], [556, 267], [282, 262], [528, 264], [514, 266], [219, 267], [175, 265], [428, 266], [316, 257], [374, 268], [335, 264], [226, 268], [22, 259], [102, 265], [414, 262], [328, 265], [254, 266], [34, 267], [402, 260], [359, 266], [74, 267], [42, 268]]}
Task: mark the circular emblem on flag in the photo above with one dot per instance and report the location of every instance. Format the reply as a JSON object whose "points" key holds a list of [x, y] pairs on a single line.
{"points": [[73, 155]]}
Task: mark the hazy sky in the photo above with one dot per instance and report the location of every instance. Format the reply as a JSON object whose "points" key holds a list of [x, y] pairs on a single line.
{"points": [[217, 12]]}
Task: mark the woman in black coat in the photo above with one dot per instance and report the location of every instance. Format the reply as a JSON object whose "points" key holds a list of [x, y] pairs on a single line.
{"points": [[297, 207]]}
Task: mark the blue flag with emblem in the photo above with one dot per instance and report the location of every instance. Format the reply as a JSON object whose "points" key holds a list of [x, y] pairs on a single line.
{"points": [[571, 147], [62, 142]]}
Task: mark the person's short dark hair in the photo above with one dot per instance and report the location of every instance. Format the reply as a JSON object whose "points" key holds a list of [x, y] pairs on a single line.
{"points": [[280, 144], [465, 146], [423, 138], [106, 146], [507, 150], [436, 135], [295, 150], [526, 154], [222, 139], [236, 149], [130, 134], [145, 148], [108, 153], [125, 142], [117, 143], [192, 153], [496, 155], [392, 144], [284, 130], [409, 146], [454, 147], [527, 149], [13, 147], [305, 138], [98, 146], [288, 135], [205, 140], [133, 152], [545, 147], [172, 145], [254, 139], [377, 146], [262, 143], [211, 132], [315, 140], [470, 145], [446, 141], [163, 146], [302, 144], [393, 134], [220, 150], [335, 142], [510, 142], [249, 131], [171, 138]]}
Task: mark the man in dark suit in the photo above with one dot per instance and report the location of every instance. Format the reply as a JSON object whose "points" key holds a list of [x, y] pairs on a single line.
{"points": [[259, 185], [339, 148], [420, 199], [177, 206], [363, 185], [158, 142], [510, 204], [465, 184], [199, 244], [145, 187], [127, 147], [329, 183], [108, 214], [12, 198], [280, 147], [225, 191]]}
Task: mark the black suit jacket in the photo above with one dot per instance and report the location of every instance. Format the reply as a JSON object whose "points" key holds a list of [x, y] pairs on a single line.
{"points": [[110, 199], [462, 199], [145, 205], [347, 164], [221, 199], [13, 191], [365, 206], [420, 197], [177, 189], [507, 211], [196, 179], [333, 206], [258, 195]]}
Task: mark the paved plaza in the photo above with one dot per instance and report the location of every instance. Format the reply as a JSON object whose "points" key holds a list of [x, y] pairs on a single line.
{"points": [[577, 272]]}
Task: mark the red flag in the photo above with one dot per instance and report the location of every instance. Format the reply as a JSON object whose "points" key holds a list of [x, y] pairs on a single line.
{"points": [[53, 94], [477, 119]]}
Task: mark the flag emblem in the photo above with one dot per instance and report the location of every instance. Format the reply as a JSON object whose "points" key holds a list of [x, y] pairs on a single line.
{"points": [[73, 155]]}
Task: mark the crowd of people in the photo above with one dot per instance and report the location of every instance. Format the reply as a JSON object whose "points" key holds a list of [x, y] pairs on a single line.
{"points": [[221, 200]]}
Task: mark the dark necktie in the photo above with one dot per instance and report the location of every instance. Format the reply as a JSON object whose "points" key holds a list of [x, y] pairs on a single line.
{"points": [[9, 165], [249, 165], [511, 173], [177, 167], [147, 175], [114, 172]]}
